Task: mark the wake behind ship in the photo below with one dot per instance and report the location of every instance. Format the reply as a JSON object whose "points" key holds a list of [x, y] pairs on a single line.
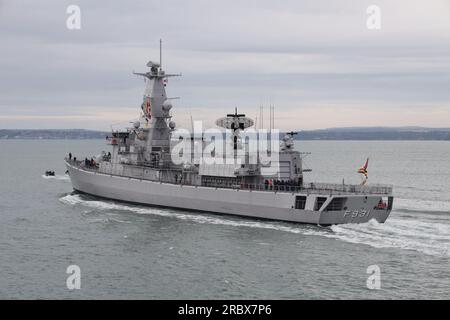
{"points": [[140, 168]]}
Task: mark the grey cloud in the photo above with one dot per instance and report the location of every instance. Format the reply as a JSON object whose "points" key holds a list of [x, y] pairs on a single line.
{"points": [[231, 54]]}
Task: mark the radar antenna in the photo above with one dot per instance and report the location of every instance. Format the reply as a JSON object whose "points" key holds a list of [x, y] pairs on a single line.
{"points": [[288, 141], [235, 121]]}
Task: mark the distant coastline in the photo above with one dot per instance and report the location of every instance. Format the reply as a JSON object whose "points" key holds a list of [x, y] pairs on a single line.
{"points": [[51, 134], [353, 133], [377, 133]]}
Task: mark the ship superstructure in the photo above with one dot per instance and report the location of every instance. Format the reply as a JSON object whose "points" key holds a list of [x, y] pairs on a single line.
{"points": [[141, 168]]}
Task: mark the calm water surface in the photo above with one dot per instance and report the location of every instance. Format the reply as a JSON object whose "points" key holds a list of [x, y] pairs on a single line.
{"points": [[126, 251]]}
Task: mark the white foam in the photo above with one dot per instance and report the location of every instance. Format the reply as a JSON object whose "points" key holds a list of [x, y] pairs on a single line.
{"points": [[421, 235], [56, 177], [107, 205], [412, 234]]}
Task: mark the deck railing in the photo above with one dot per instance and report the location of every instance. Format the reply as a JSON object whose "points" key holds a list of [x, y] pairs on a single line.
{"points": [[316, 188]]}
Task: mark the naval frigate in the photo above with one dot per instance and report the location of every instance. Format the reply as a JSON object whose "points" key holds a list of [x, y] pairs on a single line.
{"points": [[141, 169]]}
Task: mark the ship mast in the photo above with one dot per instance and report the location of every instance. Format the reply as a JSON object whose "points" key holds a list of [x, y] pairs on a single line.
{"points": [[156, 108], [160, 53]]}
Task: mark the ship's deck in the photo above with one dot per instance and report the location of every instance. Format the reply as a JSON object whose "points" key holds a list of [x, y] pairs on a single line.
{"points": [[306, 188]]}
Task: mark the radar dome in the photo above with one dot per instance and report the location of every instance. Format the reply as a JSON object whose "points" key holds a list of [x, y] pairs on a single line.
{"points": [[167, 105], [172, 125]]}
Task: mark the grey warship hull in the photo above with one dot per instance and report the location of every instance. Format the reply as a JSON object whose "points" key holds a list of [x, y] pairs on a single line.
{"points": [[262, 204]]}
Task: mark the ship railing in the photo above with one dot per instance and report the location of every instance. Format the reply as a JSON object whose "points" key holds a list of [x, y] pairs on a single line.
{"points": [[73, 162], [316, 188], [81, 164], [348, 188]]}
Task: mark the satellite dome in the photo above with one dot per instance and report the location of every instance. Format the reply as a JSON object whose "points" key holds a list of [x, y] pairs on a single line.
{"points": [[167, 105], [172, 125]]}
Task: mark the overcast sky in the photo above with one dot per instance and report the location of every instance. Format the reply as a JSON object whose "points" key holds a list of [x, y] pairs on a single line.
{"points": [[315, 60]]}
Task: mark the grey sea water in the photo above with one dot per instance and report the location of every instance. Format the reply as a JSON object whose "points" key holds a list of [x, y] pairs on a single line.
{"points": [[128, 251]]}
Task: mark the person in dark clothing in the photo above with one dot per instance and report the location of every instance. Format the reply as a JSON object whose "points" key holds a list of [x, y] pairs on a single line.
{"points": [[70, 156]]}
